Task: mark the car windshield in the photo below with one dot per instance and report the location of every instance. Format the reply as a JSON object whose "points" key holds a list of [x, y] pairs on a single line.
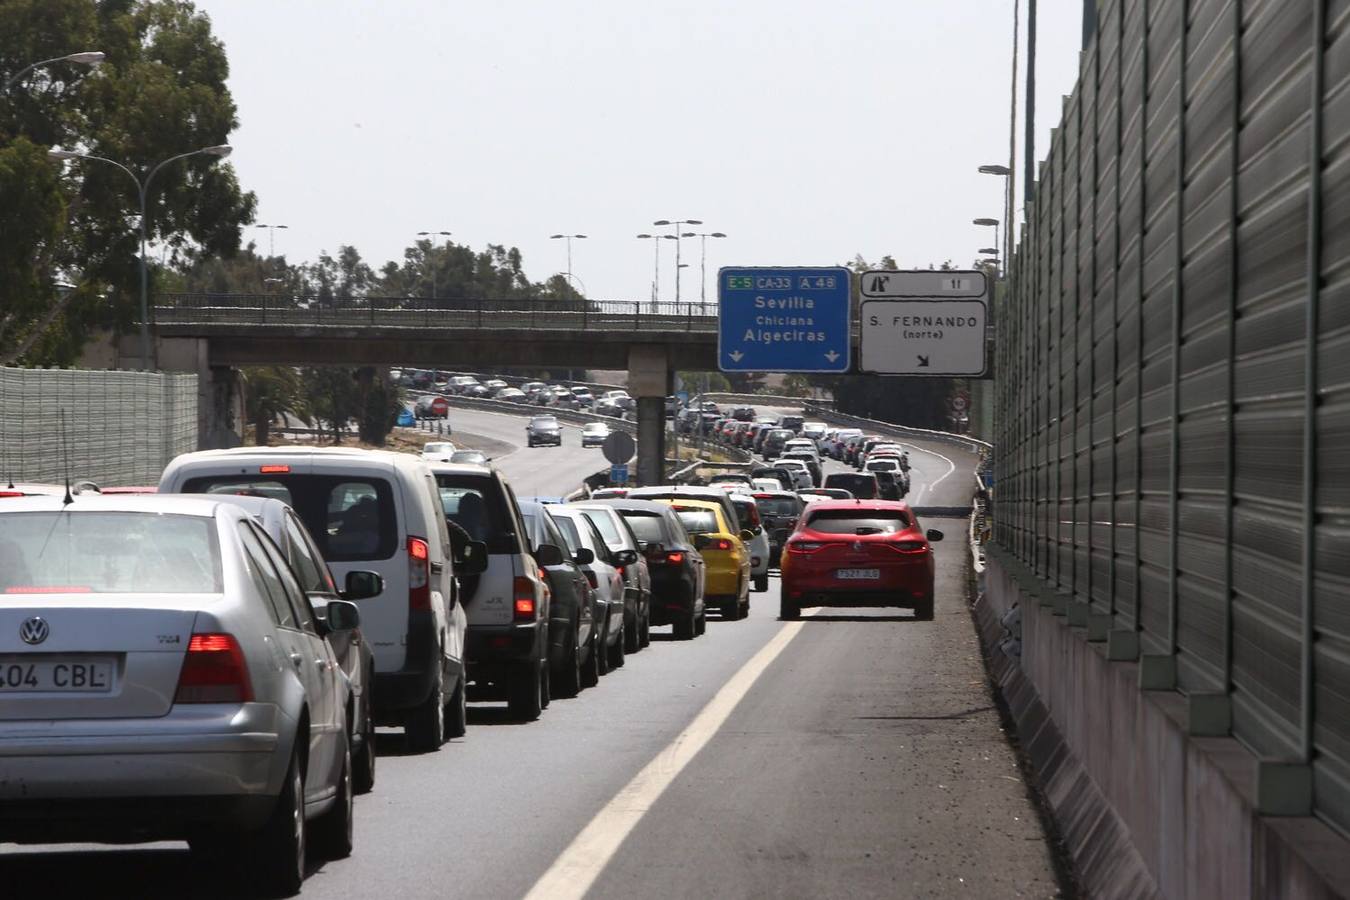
{"points": [[697, 521], [595, 428], [858, 521], [439, 447], [73, 552]]}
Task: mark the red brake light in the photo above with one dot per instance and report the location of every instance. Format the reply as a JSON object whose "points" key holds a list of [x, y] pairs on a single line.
{"points": [[804, 546], [419, 574], [724, 544], [47, 589], [675, 557], [11, 493], [907, 546], [273, 469], [523, 589], [213, 671]]}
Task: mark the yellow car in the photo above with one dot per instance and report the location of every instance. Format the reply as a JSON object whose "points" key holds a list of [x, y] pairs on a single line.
{"points": [[723, 551]]}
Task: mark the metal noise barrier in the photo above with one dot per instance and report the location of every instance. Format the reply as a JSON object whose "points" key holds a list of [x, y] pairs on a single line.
{"points": [[1173, 393], [122, 428]]}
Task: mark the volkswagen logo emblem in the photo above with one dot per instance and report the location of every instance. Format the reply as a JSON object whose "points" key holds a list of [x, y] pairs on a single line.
{"points": [[34, 630]]}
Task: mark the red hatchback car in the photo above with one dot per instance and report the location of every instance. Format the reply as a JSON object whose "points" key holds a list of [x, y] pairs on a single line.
{"points": [[858, 553]]}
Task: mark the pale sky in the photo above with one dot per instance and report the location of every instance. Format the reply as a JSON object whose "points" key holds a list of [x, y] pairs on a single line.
{"points": [[806, 131]]}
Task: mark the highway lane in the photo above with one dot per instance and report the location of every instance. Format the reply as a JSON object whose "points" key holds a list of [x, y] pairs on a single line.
{"points": [[866, 761]]}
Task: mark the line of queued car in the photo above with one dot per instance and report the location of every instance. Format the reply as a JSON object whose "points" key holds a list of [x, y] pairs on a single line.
{"points": [[208, 659]]}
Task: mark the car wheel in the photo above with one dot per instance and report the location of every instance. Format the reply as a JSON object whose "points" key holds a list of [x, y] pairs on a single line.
{"points": [[646, 640], [701, 624], [686, 627], [591, 672], [278, 850], [545, 682], [425, 730], [632, 634], [363, 764], [616, 650], [731, 610], [923, 610], [333, 831], [788, 609], [525, 685], [457, 722], [762, 582], [569, 673]]}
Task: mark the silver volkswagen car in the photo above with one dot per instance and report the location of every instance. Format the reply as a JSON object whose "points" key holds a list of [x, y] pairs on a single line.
{"points": [[162, 676]]}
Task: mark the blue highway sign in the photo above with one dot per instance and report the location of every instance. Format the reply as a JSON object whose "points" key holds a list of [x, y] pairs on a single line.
{"points": [[618, 474], [783, 320]]}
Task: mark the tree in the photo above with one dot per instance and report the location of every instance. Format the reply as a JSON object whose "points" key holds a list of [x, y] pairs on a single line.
{"points": [[331, 396], [160, 92], [271, 391]]}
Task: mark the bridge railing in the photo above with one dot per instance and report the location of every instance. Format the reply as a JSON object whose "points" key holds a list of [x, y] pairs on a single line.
{"points": [[425, 312]]}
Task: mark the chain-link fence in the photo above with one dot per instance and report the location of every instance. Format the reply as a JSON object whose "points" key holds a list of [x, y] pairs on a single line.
{"points": [[111, 427], [1174, 365]]}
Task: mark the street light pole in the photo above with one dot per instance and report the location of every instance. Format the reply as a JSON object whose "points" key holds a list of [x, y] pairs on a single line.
{"points": [[271, 237], [431, 262], [89, 58], [989, 222], [568, 238], [703, 264], [676, 223], [219, 151], [656, 275]]}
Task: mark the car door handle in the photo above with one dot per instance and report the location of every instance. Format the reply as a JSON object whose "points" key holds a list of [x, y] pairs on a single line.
{"points": [[297, 659]]}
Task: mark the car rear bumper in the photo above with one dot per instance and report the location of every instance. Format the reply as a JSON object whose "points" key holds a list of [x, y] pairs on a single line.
{"points": [[486, 645], [211, 750], [829, 591]]}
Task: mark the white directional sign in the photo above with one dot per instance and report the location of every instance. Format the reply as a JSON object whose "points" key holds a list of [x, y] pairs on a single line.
{"points": [[924, 323]]}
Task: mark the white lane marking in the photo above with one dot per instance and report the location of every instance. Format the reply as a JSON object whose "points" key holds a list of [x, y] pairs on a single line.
{"points": [[577, 868], [927, 486]]}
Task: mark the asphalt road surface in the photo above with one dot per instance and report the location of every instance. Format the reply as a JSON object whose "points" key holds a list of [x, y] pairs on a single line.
{"points": [[852, 754]]}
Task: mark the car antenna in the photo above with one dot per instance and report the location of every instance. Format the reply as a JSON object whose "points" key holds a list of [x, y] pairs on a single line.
{"points": [[65, 457]]}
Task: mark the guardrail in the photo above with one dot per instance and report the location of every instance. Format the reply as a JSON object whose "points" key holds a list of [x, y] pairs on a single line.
{"points": [[572, 416], [423, 312], [753, 399], [825, 414]]}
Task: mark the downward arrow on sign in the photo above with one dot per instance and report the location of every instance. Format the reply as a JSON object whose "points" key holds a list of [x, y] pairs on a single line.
{"points": [[923, 362], [832, 356], [736, 355]]}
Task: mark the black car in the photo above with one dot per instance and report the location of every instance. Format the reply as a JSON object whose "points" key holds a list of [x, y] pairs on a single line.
{"points": [[677, 569], [574, 639], [543, 430], [862, 485], [773, 442], [743, 413], [792, 423], [779, 511]]}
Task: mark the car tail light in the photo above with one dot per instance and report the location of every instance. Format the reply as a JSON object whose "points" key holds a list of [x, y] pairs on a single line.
{"points": [[675, 557], [273, 470], [523, 590], [213, 671], [804, 546], [722, 544], [419, 574], [907, 546], [11, 493]]}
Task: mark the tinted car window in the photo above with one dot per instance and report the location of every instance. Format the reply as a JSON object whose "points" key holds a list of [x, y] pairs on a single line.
{"points": [[350, 518], [474, 503], [848, 521], [313, 574], [108, 552], [777, 506], [861, 486], [647, 527], [294, 594], [265, 577], [698, 521]]}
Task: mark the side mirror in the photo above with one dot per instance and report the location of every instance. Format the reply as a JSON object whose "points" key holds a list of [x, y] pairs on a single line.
{"points": [[548, 555], [343, 615], [934, 535], [701, 541], [747, 534], [626, 557], [472, 559], [584, 557], [361, 585]]}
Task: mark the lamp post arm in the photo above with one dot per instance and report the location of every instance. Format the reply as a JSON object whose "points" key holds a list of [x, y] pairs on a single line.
{"points": [[14, 79]]}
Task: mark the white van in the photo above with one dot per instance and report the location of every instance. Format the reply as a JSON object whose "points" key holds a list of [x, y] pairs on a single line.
{"points": [[378, 511]]}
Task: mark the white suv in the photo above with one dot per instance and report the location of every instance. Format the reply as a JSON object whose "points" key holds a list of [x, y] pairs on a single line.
{"points": [[377, 511]]}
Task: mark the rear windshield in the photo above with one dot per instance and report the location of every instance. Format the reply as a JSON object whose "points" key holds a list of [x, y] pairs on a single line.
{"points": [[747, 513], [861, 486], [697, 521], [863, 521], [351, 519], [776, 506], [108, 553], [647, 527], [438, 447], [473, 503], [606, 525]]}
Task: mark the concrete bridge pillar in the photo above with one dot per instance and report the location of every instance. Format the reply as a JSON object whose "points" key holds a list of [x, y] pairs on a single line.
{"points": [[220, 400], [649, 383]]}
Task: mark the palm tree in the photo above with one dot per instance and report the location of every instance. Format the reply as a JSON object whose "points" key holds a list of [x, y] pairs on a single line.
{"points": [[271, 391]]}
